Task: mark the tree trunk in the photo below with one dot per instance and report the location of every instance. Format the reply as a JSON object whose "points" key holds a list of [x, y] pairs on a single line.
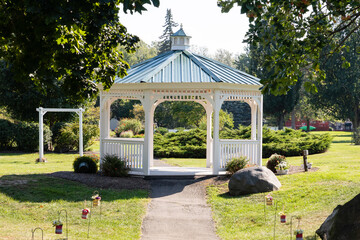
{"points": [[307, 125], [281, 121], [293, 120], [356, 128]]}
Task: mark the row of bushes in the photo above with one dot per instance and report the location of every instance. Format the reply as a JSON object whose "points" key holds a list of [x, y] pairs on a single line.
{"points": [[24, 136], [192, 143], [112, 165]]}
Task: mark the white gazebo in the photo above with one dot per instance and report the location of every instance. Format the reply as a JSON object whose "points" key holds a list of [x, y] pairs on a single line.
{"points": [[179, 75]]}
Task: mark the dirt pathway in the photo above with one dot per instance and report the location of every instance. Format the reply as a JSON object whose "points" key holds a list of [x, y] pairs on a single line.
{"points": [[178, 210]]}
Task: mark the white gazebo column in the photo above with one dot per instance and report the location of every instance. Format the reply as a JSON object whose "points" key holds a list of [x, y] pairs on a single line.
{"points": [[149, 108], [259, 131], [209, 158], [216, 140], [253, 107], [104, 123]]}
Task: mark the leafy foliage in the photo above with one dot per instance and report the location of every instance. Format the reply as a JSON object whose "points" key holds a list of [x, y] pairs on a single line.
{"points": [[7, 134], [142, 53], [86, 164], [68, 44], [128, 124], [274, 161], [114, 166], [27, 136], [294, 33], [191, 144], [68, 137], [235, 164]]}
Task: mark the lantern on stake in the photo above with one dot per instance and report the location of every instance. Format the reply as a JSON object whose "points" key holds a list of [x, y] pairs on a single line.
{"points": [[85, 213], [269, 200], [96, 199], [282, 217], [58, 226], [299, 234]]}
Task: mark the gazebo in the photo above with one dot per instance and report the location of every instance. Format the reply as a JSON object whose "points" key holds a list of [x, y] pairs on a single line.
{"points": [[179, 75]]}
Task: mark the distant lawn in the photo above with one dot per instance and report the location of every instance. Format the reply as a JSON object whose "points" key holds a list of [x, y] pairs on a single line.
{"points": [[29, 198], [185, 162], [313, 196]]}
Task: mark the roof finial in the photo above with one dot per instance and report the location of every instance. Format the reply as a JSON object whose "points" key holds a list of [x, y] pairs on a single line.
{"points": [[181, 25]]}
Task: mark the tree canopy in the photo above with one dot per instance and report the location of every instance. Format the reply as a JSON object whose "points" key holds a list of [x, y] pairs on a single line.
{"points": [[68, 44], [295, 32]]}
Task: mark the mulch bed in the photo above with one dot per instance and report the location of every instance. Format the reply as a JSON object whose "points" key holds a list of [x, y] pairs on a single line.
{"points": [[100, 181]]}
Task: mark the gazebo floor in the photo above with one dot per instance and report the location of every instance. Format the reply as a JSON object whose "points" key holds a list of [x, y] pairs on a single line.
{"points": [[179, 171]]}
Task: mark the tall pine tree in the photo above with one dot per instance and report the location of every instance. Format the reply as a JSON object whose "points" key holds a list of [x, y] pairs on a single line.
{"points": [[165, 42]]}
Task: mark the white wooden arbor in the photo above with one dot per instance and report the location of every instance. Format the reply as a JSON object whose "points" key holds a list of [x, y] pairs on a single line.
{"points": [[179, 75], [43, 111]]}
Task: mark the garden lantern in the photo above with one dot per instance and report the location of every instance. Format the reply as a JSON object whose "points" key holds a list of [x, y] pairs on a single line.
{"points": [[96, 200], [269, 200], [85, 213], [58, 226], [283, 218], [299, 234]]}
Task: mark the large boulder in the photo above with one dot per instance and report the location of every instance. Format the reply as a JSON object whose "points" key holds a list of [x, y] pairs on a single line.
{"points": [[253, 180], [343, 223]]}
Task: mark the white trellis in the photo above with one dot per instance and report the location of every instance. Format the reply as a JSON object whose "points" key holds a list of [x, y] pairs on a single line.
{"points": [[43, 111]]}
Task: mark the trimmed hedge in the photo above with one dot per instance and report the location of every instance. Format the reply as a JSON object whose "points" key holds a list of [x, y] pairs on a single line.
{"points": [[7, 134], [287, 142], [182, 144], [27, 136]]}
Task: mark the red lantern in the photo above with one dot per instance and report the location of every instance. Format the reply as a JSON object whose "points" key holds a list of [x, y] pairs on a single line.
{"points": [[85, 213], [58, 229], [299, 236], [283, 218]]}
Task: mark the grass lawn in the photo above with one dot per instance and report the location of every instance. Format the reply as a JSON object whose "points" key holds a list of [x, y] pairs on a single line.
{"points": [[30, 198], [185, 162], [312, 196]]}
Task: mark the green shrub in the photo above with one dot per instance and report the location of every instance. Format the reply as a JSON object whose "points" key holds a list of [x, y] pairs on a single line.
{"points": [[235, 164], [127, 124], [189, 144], [86, 164], [7, 134], [68, 139], [127, 134], [275, 160], [114, 166], [161, 130], [27, 136]]}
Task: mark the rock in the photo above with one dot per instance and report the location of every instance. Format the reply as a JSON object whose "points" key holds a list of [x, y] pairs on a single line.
{"points": [[253, 180], [343, 223]]}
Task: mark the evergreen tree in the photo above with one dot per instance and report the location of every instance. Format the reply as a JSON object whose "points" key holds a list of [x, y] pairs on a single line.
{"points": [[165, 42]]}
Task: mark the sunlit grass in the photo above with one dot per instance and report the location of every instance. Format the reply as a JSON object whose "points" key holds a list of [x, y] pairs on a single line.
{"points": [[185, 162], [312, 195], [30, 198]]}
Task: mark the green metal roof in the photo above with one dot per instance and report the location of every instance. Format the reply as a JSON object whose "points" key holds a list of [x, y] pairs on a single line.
{"points": [[185, 67], [180, 32]]}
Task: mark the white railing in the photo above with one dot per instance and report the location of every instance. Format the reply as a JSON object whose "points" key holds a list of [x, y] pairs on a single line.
{"points": [[231, 148], [130, 149]]}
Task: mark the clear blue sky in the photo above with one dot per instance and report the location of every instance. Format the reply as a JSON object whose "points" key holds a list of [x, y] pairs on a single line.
{"points": [[201, 19]]}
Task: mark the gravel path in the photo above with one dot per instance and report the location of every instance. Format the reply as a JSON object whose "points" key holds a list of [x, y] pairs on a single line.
{"points": [[178, 210]]}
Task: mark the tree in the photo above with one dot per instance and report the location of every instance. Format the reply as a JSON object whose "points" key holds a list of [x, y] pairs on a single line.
{"points": [[295, 32], [224, 56], [142, 53], [339, 94], [65, 46], [165, 41]]}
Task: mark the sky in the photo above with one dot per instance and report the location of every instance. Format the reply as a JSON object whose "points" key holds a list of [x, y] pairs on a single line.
{"points": [[201, 19]]}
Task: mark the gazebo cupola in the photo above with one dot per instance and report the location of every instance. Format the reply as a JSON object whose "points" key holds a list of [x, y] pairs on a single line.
{"points": [[179, 40]]}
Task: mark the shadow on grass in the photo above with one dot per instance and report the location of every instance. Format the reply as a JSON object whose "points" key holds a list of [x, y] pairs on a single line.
{"points": [[43, 188]]}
